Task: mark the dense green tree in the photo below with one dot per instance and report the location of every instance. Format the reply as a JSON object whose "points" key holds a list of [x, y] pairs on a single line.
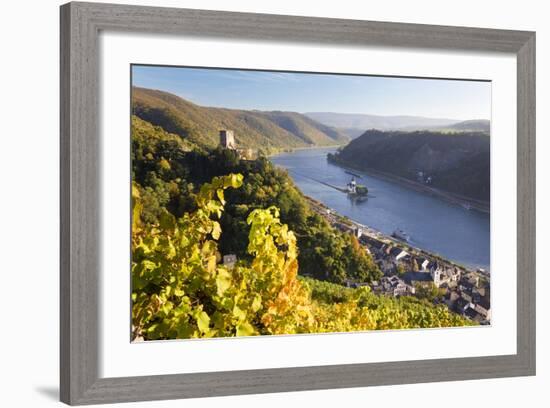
{"points": [[428, 291]]}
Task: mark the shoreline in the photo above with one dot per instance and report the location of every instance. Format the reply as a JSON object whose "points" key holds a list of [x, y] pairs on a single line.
{"points": [[414, 185], [293, 149], [379, 235]]}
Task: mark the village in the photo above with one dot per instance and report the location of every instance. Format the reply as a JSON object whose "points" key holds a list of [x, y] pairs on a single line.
{"points": [[410, 271]]}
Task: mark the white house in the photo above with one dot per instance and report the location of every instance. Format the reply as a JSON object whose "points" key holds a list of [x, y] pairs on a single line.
{"points": [[424, 264], [401, 254]]}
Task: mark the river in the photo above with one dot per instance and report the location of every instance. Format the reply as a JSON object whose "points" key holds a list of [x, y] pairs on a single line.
{"points": [[433, 224]]}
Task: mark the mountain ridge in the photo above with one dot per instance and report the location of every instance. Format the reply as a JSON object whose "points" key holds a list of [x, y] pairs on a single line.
{"points": [[355, 124], [263, 130], [369, 121]]}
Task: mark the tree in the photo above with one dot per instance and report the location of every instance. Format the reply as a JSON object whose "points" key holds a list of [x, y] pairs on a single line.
{"points": [[400, 269], [428, 291]]}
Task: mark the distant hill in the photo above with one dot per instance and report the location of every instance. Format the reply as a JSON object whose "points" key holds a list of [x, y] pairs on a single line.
{"points": [[455, 162], [307, 129], [353, 123], [200, 125], [478, 125], [352, 133]]}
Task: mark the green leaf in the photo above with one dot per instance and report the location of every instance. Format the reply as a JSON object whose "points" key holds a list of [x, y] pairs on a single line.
{"points": [[147, 265], [211, 264], [185, 330], [171, 249], [223, 281], [234, 180], [245, 329], [220, 195], [238, 313], [256, 303], [167, 221], [216, 230], [203, 321]]}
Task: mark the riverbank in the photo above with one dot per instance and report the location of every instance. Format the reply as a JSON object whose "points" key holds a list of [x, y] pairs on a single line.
{"points": [[295, 149], [465, 202], [336, 219]]}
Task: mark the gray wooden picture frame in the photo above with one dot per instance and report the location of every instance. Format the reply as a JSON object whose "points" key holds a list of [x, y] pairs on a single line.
{"points": [[81, 24]]}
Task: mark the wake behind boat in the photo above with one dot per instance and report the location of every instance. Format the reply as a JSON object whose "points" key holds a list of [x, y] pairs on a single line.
{"points": [[353, 174]]}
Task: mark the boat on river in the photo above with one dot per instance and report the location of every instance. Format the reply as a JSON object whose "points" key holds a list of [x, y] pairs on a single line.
{"points": [[402, 235]]}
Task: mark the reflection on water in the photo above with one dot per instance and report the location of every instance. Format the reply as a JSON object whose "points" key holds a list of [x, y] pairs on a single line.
{"points": [[433, 224]]}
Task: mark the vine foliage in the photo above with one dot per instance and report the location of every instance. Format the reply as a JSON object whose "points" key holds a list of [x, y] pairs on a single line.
{"points": [[182, 289]]}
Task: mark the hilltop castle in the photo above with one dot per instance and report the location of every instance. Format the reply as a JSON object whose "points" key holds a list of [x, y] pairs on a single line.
{"points": [[227, 141]]}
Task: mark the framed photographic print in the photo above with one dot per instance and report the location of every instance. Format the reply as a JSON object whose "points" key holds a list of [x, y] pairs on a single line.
{"points": [[262, 203]]}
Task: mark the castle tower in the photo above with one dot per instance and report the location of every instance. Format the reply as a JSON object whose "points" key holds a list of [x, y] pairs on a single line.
{"points": [[227, 139], [352, 186]]}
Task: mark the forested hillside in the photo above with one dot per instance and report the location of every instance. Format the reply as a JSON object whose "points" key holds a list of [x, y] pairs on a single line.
{"points": [[168, 176], [455, 162], [265, 131]]}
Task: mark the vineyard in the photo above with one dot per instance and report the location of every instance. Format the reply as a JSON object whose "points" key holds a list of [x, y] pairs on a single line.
{"points": [[181, 289]]}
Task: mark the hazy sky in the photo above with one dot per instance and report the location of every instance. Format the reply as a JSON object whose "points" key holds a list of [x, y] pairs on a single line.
{"points": [[264, 90]]}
